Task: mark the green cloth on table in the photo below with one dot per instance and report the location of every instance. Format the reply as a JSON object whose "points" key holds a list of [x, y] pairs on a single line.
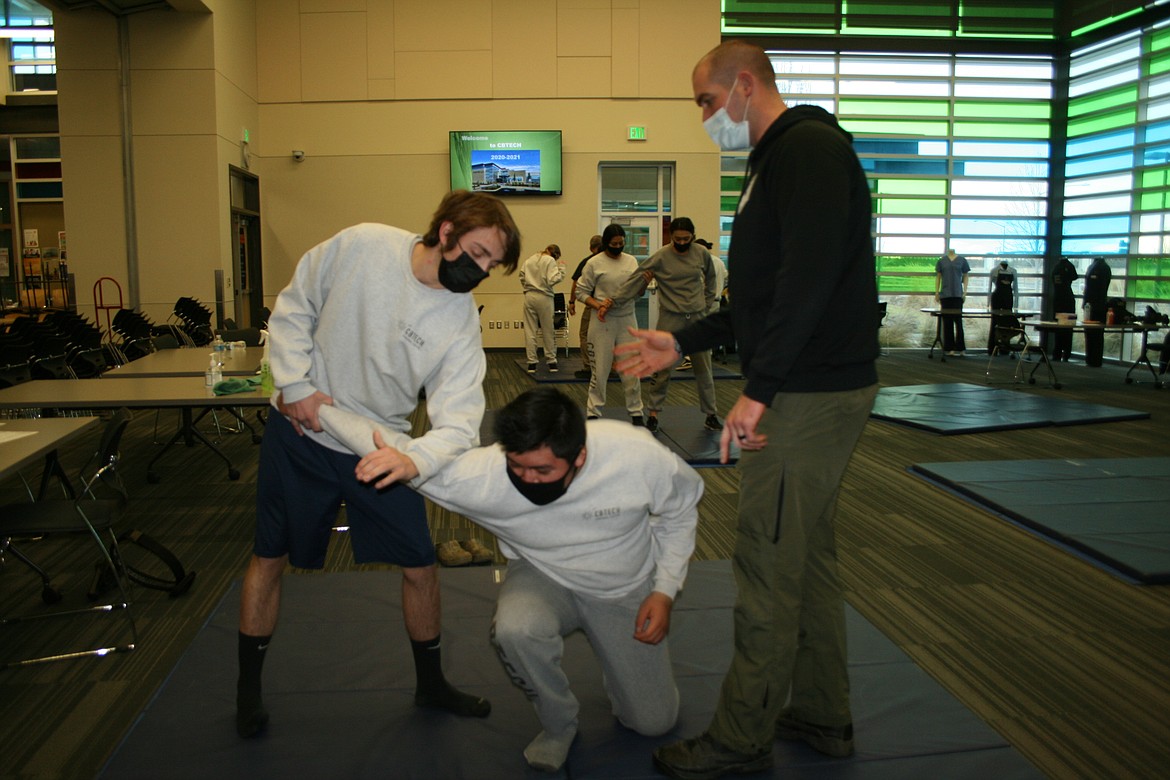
{"points": [[230, 386]]}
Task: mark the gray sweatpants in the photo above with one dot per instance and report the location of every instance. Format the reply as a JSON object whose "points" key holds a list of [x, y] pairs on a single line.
{"points": [[538, 315], [534, 614], [672, 321]]}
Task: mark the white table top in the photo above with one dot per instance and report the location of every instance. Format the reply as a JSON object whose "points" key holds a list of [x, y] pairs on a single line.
{"points": [[145, 393], [189, 362], [45, 435]]}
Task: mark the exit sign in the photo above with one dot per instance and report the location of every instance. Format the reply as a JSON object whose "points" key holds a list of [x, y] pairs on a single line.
{"points": [[636, 133]]}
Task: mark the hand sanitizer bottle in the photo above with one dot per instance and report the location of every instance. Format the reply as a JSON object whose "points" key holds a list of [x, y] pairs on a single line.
{"points": [[266, 385]]}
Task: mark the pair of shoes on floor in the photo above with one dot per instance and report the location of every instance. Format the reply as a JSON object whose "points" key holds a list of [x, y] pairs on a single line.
{"points": [[836, 741], [532, 368], [652, 423], [552, 367], [463, 553], [704, 758], [712, 423]]}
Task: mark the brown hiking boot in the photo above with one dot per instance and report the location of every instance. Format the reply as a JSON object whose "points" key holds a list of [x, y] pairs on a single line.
{"points": [[479, 553], [452, 554]]}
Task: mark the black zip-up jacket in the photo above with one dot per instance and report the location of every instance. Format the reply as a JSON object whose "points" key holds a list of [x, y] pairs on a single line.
{"points": [[803, 290]]}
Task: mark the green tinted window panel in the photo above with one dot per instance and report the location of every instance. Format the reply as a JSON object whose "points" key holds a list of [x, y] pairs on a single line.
{"points": [[728, 202], [1101, 102], [853, 107], [1151, 290], [1030, 130], [971, 18], [1155, 177], [1152, 201], [911, 186], [1007, 110], [1150, 266], [1158, 65], [731, 183], [906, 264], [1159, 40], [909, 206], [906, 284], [1101, 124], [895, 127]]}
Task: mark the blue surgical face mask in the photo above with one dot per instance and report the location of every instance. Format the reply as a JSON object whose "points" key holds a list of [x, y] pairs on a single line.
{"points": [[461, 274], [731, 136]]}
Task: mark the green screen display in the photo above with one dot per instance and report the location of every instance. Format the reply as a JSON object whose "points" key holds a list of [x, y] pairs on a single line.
{"points": [[506, 162]]}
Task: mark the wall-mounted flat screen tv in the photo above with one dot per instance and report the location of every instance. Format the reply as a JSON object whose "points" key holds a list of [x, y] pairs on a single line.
{"points": [[506, 162]]}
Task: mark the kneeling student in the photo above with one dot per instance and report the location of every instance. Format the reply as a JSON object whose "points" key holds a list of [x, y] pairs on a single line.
{"points": [[597, 521]]}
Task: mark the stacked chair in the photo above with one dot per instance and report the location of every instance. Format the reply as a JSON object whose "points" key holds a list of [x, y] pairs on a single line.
{"points": [[16, 357], [194, 319]]}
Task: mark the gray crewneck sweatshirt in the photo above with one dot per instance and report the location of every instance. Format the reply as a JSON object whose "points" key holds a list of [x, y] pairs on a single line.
{"points": [[629, 513], [356, 324]]}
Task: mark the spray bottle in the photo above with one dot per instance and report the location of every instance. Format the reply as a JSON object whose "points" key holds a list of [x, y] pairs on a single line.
{"points": [[266, 385]]}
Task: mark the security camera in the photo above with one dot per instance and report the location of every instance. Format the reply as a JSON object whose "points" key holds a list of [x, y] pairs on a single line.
{"points": [[298, 155]]}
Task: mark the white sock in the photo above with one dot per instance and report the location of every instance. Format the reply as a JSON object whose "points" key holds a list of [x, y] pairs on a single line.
{"points": [[547, 753]]}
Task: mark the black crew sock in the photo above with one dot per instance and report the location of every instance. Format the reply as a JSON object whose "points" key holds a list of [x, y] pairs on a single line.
{"points": [[251, 717], [432, 688]]}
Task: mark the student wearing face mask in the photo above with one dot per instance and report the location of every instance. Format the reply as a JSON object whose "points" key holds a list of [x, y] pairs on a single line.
{"points": [[597, 522], [602, 287], [371, 317], [688, 287]]}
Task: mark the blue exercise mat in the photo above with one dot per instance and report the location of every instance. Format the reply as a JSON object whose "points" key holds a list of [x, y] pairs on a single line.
{"points": [[1110, 511], [339, 683], [956, 408]]}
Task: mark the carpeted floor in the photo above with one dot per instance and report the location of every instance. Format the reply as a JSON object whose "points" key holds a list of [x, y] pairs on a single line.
{"points": [[1068, 664]]}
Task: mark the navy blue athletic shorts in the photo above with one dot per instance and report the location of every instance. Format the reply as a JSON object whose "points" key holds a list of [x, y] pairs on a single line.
{"points": [[298, 493]]}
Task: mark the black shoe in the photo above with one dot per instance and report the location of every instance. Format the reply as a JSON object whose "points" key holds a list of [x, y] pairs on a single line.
{"points": [[652, 423], [702, 758], [593, 417], [582, 373], [637, 420], [251, 717], [532, 368], [552, 367], [836, 741], [712, 423]]}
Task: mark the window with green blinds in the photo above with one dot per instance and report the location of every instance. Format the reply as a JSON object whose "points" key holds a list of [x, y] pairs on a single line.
{"points": [[956, 150], [970, 18]]}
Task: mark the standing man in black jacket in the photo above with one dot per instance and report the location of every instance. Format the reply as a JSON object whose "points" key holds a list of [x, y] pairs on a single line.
{"points": [[804, 312]]}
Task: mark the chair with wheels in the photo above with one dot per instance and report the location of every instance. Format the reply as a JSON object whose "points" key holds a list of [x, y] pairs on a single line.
{"points": [[84, 514], [1009, 338]]}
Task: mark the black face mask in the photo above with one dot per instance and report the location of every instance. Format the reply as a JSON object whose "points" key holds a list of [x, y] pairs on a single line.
{"points": [[461, 274], [541, 493], [682, 247], [615, 251]]}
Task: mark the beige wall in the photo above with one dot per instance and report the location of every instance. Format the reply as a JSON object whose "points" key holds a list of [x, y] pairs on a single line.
{"points": [[368, 89]]}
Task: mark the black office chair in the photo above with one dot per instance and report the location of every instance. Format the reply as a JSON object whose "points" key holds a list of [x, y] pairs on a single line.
{"points": [[81, 514], [1010, 338]]}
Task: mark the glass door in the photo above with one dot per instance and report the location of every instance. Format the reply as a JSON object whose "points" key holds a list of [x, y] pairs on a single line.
{"points": [[638, 196]]}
